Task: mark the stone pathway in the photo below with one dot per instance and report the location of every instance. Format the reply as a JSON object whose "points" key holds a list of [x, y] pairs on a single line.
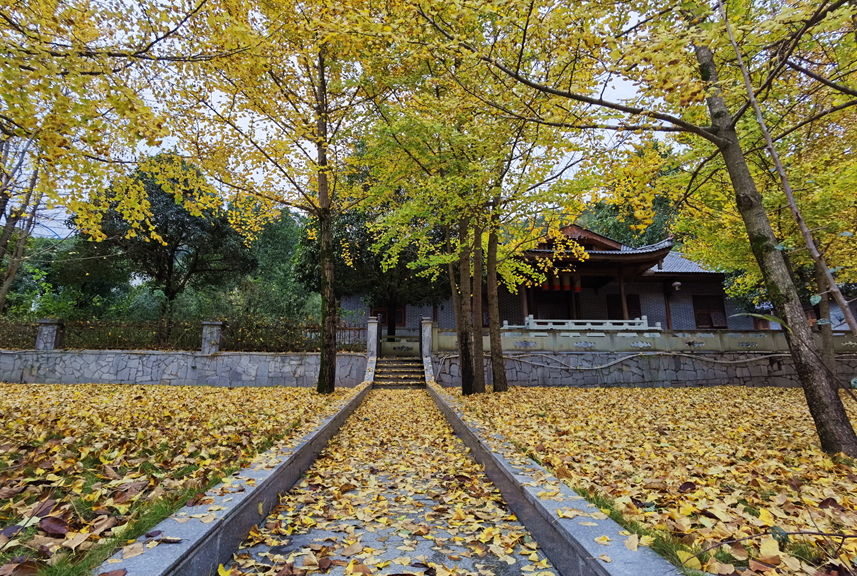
{"points": [[393, 493]]}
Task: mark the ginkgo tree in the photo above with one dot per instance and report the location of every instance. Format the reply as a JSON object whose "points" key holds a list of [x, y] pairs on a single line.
{"points": [[468, 178], [680, 62], [269, 125], [76, 86]]}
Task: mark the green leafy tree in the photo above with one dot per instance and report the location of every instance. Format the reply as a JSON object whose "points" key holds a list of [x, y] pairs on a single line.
{"points": [[613, 220], [272, 289], [363, 268], [191, 250], [72, 279]]}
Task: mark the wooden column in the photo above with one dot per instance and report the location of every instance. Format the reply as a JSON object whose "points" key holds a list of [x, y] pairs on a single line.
{"points": [[667, 306], [622, 296], [524, 306], [571, 311]]}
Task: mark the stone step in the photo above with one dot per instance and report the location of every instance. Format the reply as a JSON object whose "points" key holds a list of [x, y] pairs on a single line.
{"points": [[399, 385], [397, 368], [399, 372]]}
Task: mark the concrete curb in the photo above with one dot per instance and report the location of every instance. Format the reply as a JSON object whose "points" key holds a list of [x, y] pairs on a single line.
{"points": [[204, 546], [570, 546], [370, 369]]}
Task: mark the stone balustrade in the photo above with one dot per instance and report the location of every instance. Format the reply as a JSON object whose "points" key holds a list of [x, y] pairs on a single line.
{"points": [[518, 339], [531, 323]]}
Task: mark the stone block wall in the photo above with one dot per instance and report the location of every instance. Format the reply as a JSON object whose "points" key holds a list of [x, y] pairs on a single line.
{"points": [[174, 368], [643, 370]]}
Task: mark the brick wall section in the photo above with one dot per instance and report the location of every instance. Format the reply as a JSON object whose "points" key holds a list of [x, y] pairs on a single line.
{"points": [[644, 370], [510, 307], [358, 312], [837, 318]]}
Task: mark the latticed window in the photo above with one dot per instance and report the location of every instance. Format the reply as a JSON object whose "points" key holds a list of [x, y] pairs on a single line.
{"points": [[709, 312]]}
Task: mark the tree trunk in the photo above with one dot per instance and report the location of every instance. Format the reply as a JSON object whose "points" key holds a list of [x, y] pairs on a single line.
{"points": [[4, 202], [12, 270], [327, 361], [6, 235], [21, 244], [465, 346], [478, 347], [824, 312], [786, 184], [391, 315], [450, 269], [822, 395], [498, 364]]}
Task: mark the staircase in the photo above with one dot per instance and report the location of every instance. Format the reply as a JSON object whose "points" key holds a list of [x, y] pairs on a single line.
{"points": [[399, 372]]}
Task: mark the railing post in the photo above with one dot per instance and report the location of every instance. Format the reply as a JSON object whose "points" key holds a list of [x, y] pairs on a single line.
{"points": [[372, 337], [50, 335], [212, 335], [425, 337]]}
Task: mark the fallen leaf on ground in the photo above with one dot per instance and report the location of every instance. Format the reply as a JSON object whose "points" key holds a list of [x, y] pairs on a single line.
{"points": [[631, 542], [132, 550]]}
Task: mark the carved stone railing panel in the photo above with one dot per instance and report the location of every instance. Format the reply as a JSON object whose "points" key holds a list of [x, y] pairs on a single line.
{"points": [[521, 339]]}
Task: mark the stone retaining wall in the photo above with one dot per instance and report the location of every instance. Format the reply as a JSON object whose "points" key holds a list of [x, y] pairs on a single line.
{"points": [[645, 369], [174, 368]]}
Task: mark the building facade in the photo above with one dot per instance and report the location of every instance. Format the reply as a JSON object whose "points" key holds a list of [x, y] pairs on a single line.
{"points": [[613, 282]]}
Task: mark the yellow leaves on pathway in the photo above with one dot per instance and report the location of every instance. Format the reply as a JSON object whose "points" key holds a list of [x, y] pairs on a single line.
{"points": [[81, 461], [703, 465], [395, 492]]}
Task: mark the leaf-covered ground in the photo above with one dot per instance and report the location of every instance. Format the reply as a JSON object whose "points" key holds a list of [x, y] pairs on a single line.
{"points": [[697, 466], [393, 493], [80, 463]]}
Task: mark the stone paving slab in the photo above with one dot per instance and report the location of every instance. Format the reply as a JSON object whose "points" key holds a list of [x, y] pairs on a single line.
{"points": [[395, 492], [210, 531]]}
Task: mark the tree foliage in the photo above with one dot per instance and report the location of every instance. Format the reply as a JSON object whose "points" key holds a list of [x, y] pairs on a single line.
{"points": [[190, 250], [362, 267]]}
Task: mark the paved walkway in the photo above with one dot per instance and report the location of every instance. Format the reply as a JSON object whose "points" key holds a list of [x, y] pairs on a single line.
{"points": [[393, 493]]}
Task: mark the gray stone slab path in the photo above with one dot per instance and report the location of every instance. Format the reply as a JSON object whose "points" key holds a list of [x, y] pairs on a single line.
{"points": [[395, 492]]}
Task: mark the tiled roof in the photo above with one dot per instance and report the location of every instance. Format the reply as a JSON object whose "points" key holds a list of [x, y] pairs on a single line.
{"points": [[641, 250], [675, 262], [625, 249]]}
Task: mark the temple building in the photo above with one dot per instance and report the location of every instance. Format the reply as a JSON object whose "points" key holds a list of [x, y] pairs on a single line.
{"points": [[614, 282]]}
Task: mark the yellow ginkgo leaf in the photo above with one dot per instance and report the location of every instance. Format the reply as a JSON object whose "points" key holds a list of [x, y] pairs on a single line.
{"points": [[689, 560], [631, 542], [768, 548]]}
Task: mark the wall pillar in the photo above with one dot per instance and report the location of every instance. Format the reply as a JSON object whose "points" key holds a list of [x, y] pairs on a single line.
{"points": [[425, 337], [50, 335], [622, 296], [667, 307], [212, 336], [372, 337]]}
